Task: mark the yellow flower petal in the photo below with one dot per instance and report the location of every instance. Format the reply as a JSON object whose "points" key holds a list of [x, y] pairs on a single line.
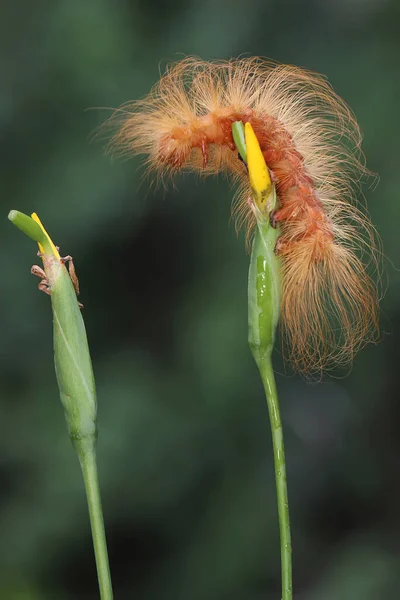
{"points": [[55, 251], [260, 180]]}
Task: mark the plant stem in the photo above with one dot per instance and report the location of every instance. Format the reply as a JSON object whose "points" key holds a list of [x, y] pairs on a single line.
{"points": [[87, 458], [264, 303], [264, 309], [268, 379], [75, 380]]}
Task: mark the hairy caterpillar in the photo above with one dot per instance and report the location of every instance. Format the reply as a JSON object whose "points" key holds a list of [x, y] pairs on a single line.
{"points": [[311, 144]]}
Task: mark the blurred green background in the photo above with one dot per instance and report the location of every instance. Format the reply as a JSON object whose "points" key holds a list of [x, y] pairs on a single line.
{"points": [[184, 443]]}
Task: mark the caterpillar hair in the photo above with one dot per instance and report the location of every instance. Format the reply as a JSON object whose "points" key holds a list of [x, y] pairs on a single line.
{"points": [[312, 146]]}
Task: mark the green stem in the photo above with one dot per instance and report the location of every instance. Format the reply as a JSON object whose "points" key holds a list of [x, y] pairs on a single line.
{"points": [[268, 379], [75, 379], [265, 290], [87, 458]]}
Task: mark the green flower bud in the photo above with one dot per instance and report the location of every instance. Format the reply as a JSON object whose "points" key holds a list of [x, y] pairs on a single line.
{"points": [[72, 360]]}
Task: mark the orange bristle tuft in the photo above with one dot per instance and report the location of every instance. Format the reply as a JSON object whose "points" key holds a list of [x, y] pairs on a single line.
{"points": [[311, 143]]}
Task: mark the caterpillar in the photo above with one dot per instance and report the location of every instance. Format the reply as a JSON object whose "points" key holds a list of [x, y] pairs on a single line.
{"points": [[311, 143]]}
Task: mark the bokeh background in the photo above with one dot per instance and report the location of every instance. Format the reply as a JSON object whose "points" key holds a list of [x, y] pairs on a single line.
{"points": [[184, 443]]}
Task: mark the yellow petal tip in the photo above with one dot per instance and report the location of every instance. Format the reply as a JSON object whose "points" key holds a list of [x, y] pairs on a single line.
{"points": [[55, 251], [260, 180]]}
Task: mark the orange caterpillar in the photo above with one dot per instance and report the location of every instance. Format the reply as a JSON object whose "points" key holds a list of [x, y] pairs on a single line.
{"points": [[311, 144]]}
